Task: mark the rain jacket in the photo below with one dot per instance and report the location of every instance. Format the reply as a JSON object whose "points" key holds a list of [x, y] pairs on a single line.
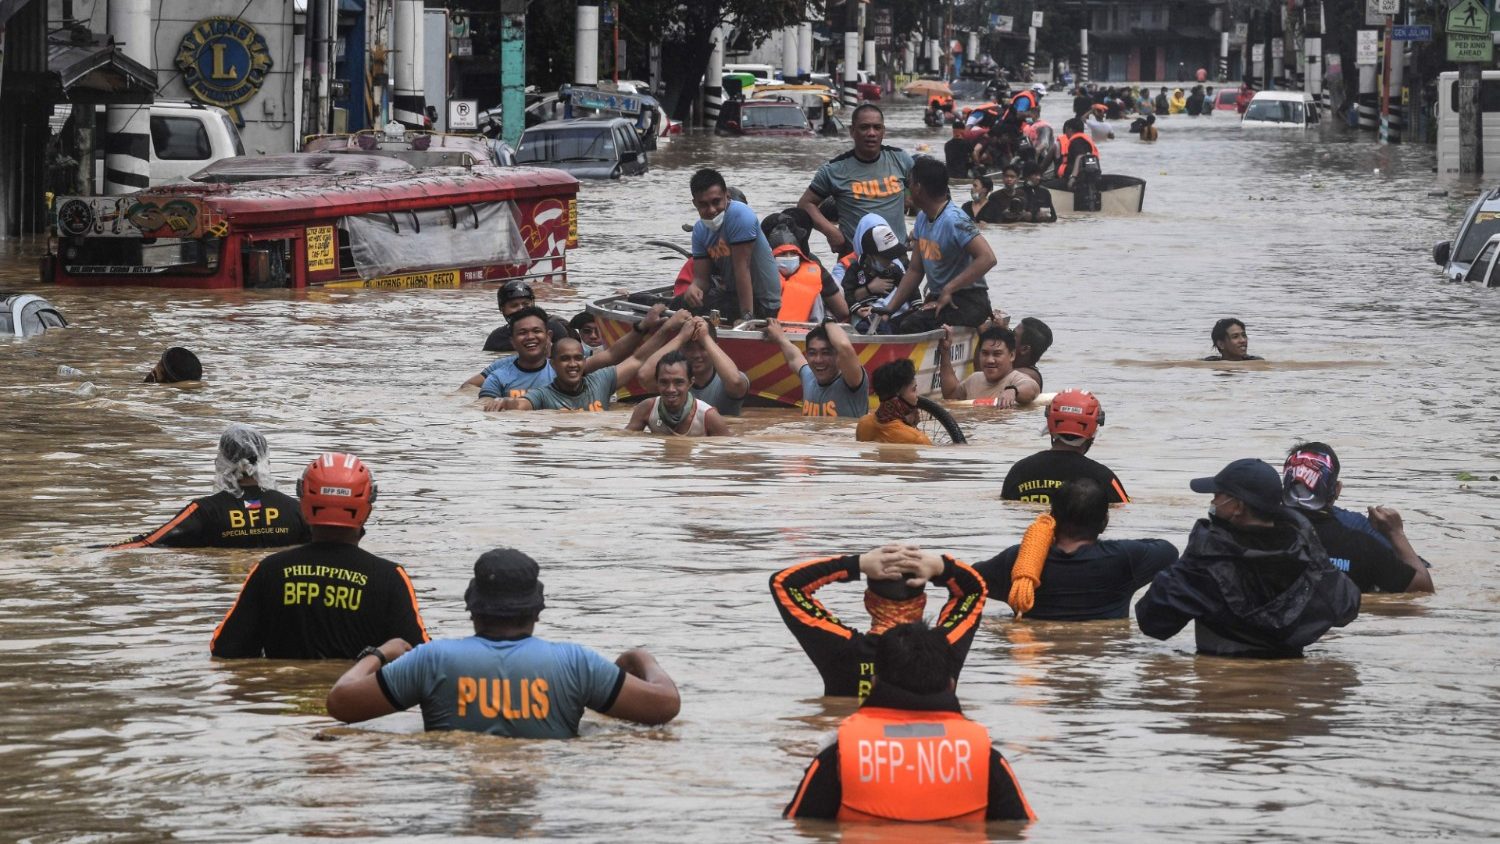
{"points": [[1248, 599]]}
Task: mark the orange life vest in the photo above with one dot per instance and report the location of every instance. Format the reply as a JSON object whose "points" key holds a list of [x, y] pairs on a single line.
{"points": [[1067, 141], [801, 289], [902, 765], [1030, 99]]}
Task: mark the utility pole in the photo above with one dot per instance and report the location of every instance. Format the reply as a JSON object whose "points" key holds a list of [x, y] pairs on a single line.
{"points": [[1385, 86], [512, 70]]}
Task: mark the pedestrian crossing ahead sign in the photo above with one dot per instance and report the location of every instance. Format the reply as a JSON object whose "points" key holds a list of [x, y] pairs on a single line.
{"points": [[1468, 17]]}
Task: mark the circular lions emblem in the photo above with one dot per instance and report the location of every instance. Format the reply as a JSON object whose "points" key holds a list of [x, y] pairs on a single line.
{"points": [[223, 61]]}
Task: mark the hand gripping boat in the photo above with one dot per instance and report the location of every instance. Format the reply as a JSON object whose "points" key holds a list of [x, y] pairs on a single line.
{"points": [[771, 380]]}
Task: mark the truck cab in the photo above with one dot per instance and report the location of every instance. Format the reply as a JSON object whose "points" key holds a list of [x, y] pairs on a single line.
{"points": [[185, 138]]}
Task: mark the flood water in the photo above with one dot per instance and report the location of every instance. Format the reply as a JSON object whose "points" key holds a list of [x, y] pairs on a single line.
{"points": [[117, 725]]}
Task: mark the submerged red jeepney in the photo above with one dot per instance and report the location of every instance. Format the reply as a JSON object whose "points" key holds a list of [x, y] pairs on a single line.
{"points": [[441, 227]]}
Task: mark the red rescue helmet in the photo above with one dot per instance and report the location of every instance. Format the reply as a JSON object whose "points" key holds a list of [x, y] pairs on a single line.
{"points": [[1074, 413], [336, 491]]}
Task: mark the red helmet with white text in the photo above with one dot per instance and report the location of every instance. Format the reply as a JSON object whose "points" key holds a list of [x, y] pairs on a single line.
{"points": [[336, 491], [1074, 413]]}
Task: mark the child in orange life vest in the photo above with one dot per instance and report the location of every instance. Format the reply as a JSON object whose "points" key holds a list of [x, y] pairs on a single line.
{"points": [[808, 292]]}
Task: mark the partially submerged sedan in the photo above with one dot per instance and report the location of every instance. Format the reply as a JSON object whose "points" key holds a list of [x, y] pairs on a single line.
{"points": [[586, 148], [781, 116], [1472, 255]]}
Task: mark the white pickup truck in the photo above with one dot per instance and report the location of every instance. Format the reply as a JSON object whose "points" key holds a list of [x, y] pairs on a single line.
{"points": [[185, 138]]}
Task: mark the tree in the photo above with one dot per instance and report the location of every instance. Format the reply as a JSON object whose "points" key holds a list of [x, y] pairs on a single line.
{"points": [[685, 30]]}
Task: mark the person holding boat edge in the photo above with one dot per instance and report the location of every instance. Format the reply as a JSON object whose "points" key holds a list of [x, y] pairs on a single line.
{"points": [[715, 377], [833, 380]]}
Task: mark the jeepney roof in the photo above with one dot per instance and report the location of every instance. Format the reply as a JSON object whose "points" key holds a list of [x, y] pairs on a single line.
{"points": [[323, 197]]}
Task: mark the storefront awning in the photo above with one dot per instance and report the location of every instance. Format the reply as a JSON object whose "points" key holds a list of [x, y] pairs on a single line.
{"points": [[90, 69]]}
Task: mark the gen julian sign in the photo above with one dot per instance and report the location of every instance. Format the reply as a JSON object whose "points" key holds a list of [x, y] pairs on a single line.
{"points": [[223, 62]]}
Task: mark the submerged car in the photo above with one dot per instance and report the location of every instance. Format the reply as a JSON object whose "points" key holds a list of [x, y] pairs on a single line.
{"points": [[781, 116], [1281, 109], [586, 148], [1472, 255]]}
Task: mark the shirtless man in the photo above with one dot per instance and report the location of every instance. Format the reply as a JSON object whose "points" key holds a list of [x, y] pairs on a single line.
{"points": [[997, 378], [676, 412]]}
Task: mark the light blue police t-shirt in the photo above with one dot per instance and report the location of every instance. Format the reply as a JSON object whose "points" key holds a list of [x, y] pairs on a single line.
{"points": [[834, 398], [715, 394], [943, 244], [741, 226], [522, 688], [506, 379], [595, 393]]}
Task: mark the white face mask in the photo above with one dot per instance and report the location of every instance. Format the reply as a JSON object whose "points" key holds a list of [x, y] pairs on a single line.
{"points": [[715, 221], [788, 264], [973, 194]]}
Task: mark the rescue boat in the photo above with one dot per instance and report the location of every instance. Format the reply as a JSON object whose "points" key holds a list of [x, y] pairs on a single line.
{"points": [[771, 380], [1118, 195]]}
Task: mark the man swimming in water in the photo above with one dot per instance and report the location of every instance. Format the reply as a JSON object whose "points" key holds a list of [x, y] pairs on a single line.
{"points": [[245, 511], [676, 412], [833, 380], [513, 296], [1230, 341], [897, 575]]}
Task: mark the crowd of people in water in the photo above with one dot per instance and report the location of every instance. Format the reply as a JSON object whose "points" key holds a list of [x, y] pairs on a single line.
{"points": [[1273, 566]]}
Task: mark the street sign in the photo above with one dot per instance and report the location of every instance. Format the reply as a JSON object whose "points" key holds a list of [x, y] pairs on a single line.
{"points": [[1257, 53], [1003, 23], [1468, 17], [1470, 48], [1411, 32], [1367, 47], [1036, 19], [463, 48], [1278, 49], [1241, 32], [463, 115], [1387, 7], [1373, 15]]}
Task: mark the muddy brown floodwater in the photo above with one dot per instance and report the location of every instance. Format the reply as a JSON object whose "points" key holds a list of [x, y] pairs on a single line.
{"points": [[117, 725]]}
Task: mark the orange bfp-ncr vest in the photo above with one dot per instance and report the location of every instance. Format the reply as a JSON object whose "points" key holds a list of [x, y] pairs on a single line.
{"points": [[801, 289], [900, 765]]}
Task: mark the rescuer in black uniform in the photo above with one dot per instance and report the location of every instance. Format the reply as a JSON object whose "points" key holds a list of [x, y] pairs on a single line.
{"points": [[245, 511]]}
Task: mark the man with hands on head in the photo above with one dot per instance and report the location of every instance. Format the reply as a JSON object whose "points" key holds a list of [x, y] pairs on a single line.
{"points": [[897, 574], [504, 680], [833, 380], [715, 377]]}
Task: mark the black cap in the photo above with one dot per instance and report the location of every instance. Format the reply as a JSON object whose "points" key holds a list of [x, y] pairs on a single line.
{"points": [[505, 584], [1252, 481], [177, 364], [893, 590], [514, 289]]}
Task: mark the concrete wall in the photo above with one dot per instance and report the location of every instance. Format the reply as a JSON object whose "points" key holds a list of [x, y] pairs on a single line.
{"points": [[270, 116]]}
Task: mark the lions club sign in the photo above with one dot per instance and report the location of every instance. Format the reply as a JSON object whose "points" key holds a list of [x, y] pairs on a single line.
{"points": [[223, 62]]}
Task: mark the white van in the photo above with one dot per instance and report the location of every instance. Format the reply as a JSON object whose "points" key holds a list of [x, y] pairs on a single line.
{"points": [[1281, 110], [1447, 121], [185, 138], [764, 74]]}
